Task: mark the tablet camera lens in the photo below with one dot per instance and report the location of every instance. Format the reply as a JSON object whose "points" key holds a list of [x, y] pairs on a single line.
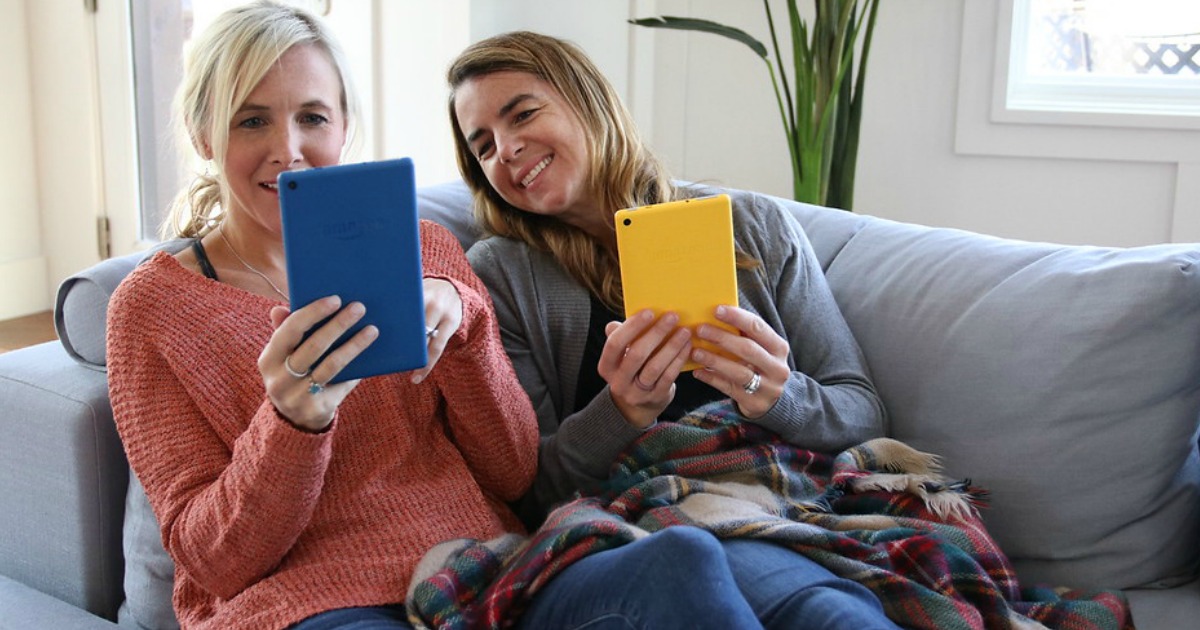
{"points": [[628, 221], [292, 185]]}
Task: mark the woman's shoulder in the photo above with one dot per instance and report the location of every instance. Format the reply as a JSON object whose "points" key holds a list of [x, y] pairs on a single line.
{"points": [[748, 205], [162, 287], [151, 292], [500, 244], [500, 252], [156, 274], [757, 216]]}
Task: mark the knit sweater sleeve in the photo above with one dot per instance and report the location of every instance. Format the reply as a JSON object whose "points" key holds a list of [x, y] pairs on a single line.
{"points": [[489, 414], [543, 318], [829, 402], [231, 494]]}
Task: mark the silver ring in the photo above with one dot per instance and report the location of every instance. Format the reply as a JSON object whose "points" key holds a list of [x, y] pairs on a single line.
{"points": [[430, 333], [288, 366], [754, 384], [314, 387]]}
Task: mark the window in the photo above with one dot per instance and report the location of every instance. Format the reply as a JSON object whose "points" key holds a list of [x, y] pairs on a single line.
{"points": [[140, 59], [990, 123], [1127, 57], [161, 33]]}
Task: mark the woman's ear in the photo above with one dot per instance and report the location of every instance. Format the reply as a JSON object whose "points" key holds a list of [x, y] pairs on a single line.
{"points": [[202, 147]]}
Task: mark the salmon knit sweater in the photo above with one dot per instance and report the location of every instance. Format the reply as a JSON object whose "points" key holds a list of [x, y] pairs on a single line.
{"points": [[269, 524]]}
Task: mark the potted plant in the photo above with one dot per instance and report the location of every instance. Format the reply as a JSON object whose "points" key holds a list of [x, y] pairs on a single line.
{"points": [[820, 105]]}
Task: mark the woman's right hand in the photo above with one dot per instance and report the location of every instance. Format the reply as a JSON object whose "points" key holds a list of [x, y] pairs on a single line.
{"points": [[640, 361], [299, 392]]}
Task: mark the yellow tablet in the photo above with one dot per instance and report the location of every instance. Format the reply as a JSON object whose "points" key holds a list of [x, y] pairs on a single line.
{"points": [[679, 256]]}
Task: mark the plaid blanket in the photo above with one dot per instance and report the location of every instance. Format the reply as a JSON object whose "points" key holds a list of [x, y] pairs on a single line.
{"points": [[879, 513]]}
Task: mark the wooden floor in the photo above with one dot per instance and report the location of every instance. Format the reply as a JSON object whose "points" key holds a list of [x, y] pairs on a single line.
{"points": [[26, 331]]}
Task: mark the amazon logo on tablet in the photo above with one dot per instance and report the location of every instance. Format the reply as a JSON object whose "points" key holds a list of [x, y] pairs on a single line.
{"points": [[349, 230]]}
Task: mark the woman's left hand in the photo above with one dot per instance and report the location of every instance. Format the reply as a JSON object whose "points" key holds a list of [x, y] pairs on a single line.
{"points": [[755, 379], [443, 316]]}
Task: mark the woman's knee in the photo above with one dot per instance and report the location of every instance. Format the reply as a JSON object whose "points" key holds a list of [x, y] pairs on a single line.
{"points": [[840, 604], [684, 552], [684, 540], [677, 577]]}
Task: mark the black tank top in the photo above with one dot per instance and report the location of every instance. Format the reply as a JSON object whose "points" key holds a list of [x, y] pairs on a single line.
{"points": [[202, 259], [689, 392]]}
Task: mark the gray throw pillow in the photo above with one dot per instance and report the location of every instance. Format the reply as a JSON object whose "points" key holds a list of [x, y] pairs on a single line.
{"points": [[81, 308], [149, 570], [1064, 380]]}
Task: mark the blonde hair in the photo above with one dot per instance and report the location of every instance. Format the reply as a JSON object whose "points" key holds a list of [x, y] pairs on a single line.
{"points": [[222, 68], [624, 172]]}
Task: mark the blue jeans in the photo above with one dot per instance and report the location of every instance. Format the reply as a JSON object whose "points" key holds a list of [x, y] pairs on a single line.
{"points": [[363, 618], [676, 578], [787, 590], [683, 577]]}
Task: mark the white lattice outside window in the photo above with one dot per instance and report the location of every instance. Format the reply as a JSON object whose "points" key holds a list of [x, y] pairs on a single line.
{"points": [[1105, 56]]}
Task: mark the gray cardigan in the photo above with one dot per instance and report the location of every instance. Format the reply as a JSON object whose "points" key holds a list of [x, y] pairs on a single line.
{"points": [[828, 404]]}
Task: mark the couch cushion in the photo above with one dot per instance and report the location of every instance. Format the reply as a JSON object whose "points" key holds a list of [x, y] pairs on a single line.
{"points": [[827, 230], [62, 468], [81, 309], [1064, 380], [149, 569], [24, 608], [450, 205]]}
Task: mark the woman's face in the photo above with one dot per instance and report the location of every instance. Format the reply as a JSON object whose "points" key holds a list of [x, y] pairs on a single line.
{"points": [[292, 120], [529, 143]]}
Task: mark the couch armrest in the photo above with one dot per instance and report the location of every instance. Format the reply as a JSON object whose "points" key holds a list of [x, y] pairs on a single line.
{"points": [[25, 608], [63, 476]]}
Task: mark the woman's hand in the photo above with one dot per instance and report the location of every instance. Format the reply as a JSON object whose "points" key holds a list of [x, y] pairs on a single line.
{"points": [[443, 316], [640, 361], [300, 392], [756, 378]]}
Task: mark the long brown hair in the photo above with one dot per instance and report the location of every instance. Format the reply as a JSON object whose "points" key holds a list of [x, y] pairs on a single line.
{"points": [[624, 172]]}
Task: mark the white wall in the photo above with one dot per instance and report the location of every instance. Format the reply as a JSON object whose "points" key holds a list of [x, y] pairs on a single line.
{"points": [[916, 166], [715, 118], [597, 27], [704, 102], [22, 263], [57, 173]]}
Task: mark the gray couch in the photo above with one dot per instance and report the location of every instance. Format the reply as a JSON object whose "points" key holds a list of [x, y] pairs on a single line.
{"points": [[1065, 380]]}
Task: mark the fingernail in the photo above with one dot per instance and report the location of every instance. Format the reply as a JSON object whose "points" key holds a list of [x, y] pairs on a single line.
{"points": [[721, 310]]}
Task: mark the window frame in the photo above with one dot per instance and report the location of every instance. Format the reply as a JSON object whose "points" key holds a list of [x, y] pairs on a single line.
{"points": [[1169, 102], [986, 125]]}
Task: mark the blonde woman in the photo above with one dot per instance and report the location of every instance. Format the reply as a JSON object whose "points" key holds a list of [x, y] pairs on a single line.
{"points": [[281, 497]]}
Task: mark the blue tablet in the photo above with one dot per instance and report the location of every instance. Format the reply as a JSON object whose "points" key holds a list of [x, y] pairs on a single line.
{"points": [[352, 230]]}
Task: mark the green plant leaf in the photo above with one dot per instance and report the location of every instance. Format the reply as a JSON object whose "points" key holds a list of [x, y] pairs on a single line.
{"points": [[703, 26], [821, 106]]}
